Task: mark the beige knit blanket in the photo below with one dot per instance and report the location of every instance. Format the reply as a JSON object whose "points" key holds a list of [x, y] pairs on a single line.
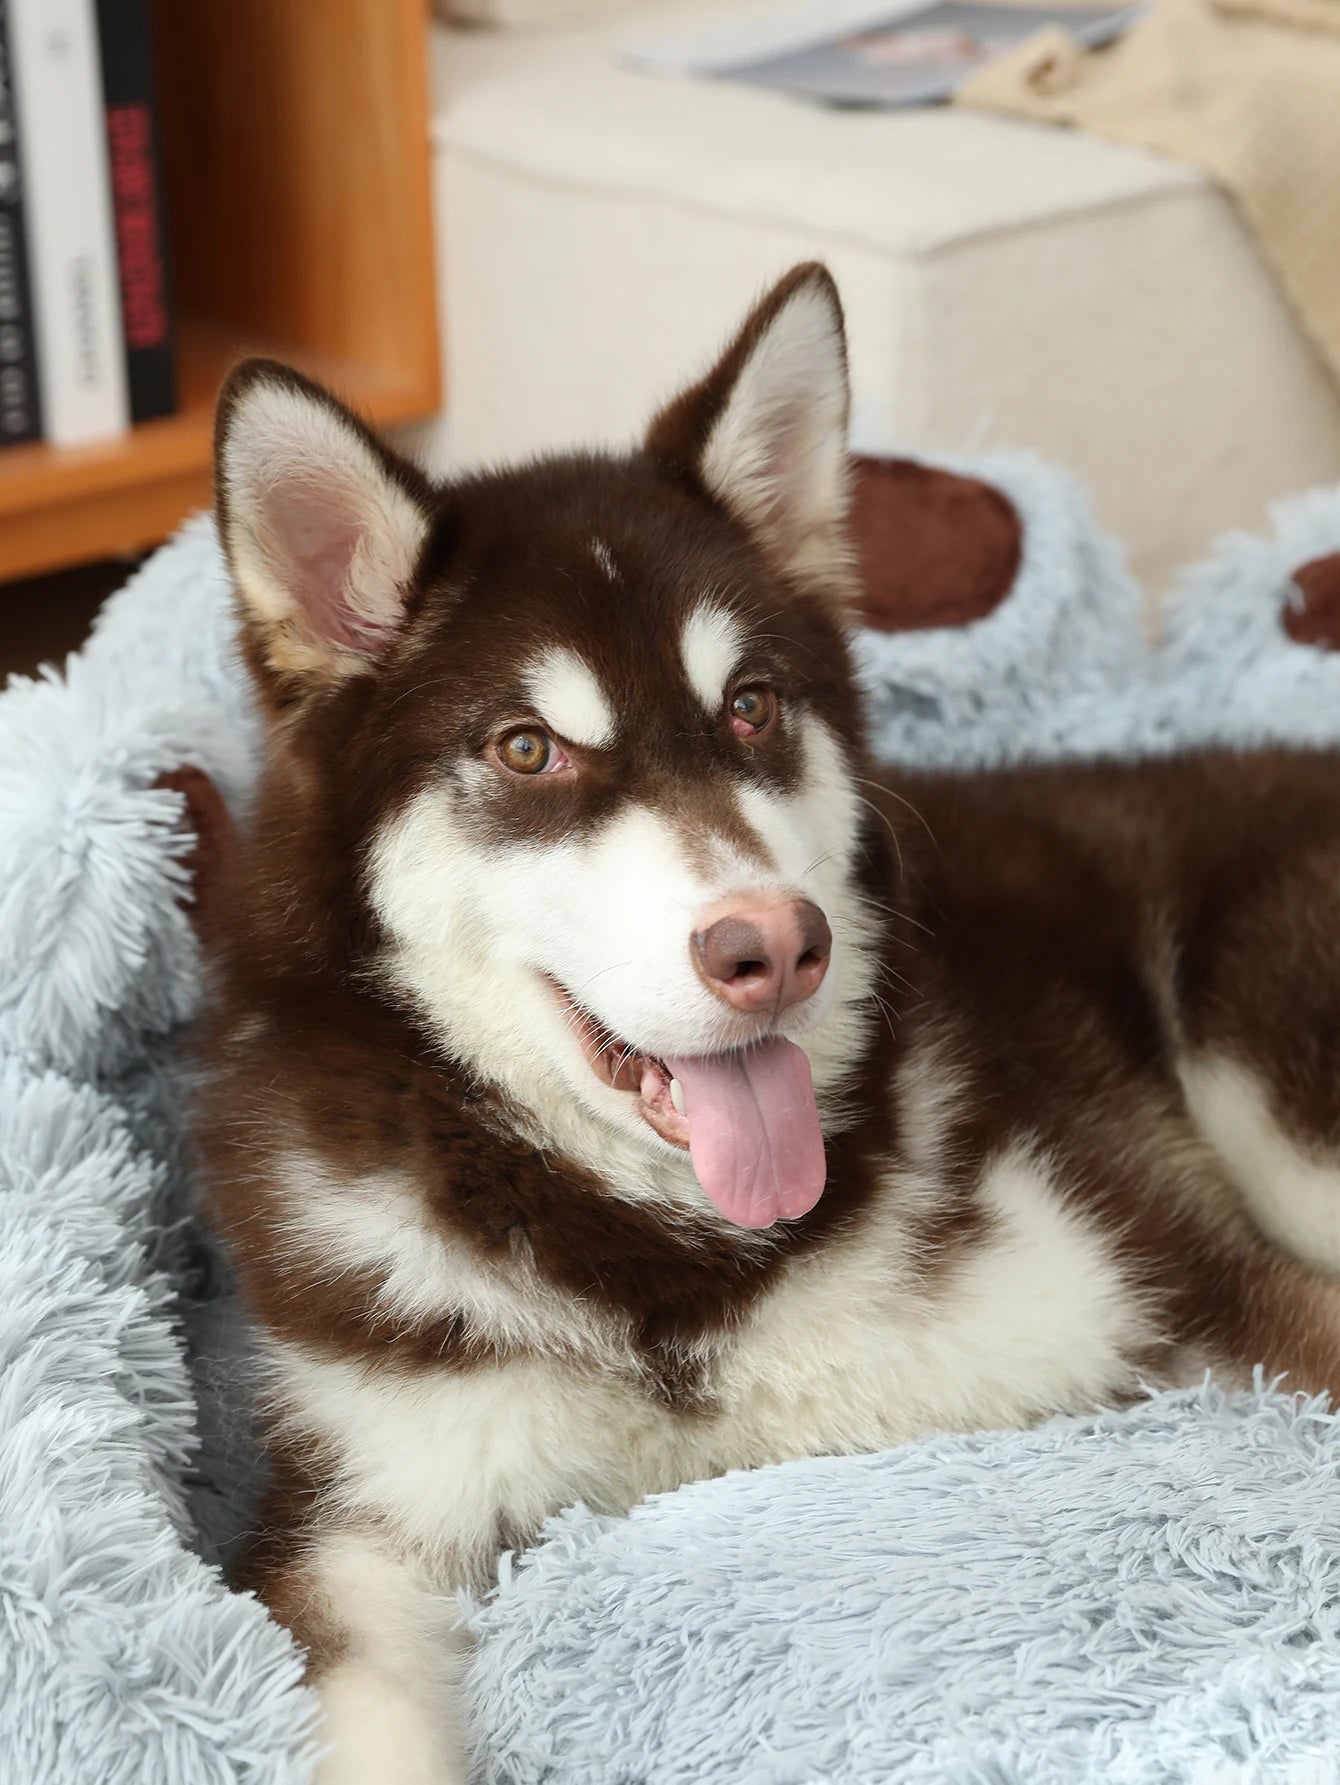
{"points": [[1248, 90]]}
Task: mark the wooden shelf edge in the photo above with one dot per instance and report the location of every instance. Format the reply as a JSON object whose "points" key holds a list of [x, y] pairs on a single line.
{"points": [[110, 524], [60, 507]]}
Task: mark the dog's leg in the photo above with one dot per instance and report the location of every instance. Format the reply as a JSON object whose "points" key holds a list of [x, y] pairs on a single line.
{"points": [[1275, 1313], [386, 1655], [1286, 1167], [1258, 1010]]}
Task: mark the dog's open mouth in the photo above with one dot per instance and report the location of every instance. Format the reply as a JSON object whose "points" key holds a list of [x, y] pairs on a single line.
{"points": [[747, 1116], [623, 1068]]}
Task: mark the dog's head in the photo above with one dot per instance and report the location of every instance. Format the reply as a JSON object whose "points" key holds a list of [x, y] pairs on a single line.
{"points": [[579, 746]]}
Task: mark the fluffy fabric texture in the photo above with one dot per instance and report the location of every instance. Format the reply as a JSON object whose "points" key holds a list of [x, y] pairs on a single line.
{"points": [[1151, 1595], [123, 1656], [1063, 668], [1034, 677], [1025, 1603]]}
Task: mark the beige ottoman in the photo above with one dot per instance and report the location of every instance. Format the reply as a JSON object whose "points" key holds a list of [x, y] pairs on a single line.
{"points": [[600, 229]]}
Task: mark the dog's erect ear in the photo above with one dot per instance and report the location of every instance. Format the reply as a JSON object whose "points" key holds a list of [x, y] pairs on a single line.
{"points": [[765, 433], [323, 526]]}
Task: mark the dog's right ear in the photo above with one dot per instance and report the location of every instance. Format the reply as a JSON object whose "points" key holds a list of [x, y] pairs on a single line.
{"points": [[323, 526]]}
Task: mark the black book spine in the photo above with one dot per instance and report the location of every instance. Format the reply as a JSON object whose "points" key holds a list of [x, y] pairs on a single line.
{"points": [[20, 407], [135, 167]]}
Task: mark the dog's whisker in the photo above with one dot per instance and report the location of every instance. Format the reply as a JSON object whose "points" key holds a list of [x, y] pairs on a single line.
{"points": [[614, 967], [893, 794], [887, 822], [883, 1007]]}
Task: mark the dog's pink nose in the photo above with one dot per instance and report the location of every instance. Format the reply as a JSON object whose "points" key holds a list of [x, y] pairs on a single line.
{"points": [[764, 957]]}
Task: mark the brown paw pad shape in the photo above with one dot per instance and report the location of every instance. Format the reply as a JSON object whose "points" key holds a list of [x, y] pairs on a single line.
{"points": [[933, 548], [1315, 619]]}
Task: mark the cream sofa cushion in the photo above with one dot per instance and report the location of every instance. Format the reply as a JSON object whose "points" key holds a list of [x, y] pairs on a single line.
{"points": [[1006, 284]]}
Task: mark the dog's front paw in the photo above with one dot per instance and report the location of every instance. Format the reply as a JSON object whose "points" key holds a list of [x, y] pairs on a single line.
{"points": [[376, 1732]]}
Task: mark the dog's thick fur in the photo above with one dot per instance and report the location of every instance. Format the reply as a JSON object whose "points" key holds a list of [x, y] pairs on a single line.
{"points": [[1075, 1055]]}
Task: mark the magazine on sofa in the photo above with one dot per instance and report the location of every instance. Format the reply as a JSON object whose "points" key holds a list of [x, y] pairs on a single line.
{"points": [[874, 55]]}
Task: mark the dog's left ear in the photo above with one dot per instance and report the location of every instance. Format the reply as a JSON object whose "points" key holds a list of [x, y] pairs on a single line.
{"points": [[765, 433]]}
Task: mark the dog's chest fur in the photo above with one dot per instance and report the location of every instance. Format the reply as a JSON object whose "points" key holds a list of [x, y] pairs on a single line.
{"points": [[463, 1377]]}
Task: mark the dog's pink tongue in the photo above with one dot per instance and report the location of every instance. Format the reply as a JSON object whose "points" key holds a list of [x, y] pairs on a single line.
{"points": [[754, 1131]]}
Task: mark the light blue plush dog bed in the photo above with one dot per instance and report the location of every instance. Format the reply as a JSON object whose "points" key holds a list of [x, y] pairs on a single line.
{"points": [[1150, 1596]]}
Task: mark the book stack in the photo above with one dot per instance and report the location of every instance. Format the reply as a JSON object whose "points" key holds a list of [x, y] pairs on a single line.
{"points": [[85, 316]]}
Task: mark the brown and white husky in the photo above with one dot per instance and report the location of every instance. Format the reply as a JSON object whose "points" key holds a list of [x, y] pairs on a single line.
{"points": [[615, 1082]]}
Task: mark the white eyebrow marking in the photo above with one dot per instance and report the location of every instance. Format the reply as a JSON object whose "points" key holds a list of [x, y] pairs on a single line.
{"points": [[605, 558], [710, 647], [569, 697]]}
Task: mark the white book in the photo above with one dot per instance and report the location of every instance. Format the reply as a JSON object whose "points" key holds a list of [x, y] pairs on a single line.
{"points": [[81, 365]]}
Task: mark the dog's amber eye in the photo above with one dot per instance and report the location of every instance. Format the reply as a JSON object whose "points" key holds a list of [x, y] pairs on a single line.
{"points": [[525, 752], [750, 710]]}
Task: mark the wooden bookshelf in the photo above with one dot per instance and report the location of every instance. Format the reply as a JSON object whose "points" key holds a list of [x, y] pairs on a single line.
{"points": [[295, 143]]}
